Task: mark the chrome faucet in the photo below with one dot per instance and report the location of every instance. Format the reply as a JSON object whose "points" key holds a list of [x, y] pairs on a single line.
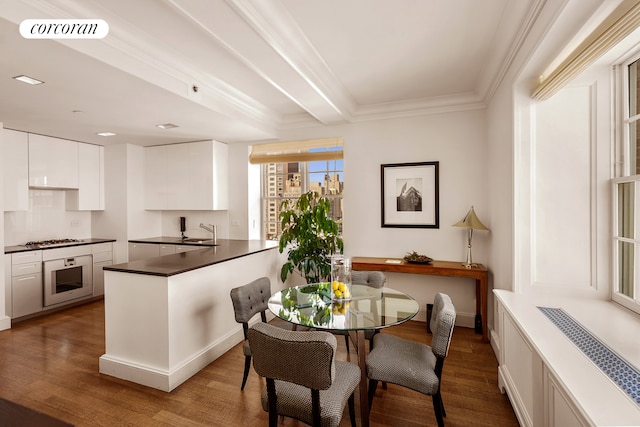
{"points": [[211, 229]]}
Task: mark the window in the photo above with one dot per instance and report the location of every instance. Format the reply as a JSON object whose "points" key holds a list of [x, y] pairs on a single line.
{"points": [[626, 190], [324, 177], [290, 169]]}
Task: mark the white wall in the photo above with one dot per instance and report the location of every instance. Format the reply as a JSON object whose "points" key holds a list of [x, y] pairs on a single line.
{"points": [[124, 216], [140, 223], [458, 142], [569, 201], [511, 124], [5, 321], [241, 189], [562, 157], [110, 223]]}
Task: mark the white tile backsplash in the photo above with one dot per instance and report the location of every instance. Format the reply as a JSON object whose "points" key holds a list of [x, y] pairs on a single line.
{"points": [[47, 218]]}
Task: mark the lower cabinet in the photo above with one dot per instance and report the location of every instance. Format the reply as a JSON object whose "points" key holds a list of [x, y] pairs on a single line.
{"points": [[24, 279], [167, 249], [150, 250], [27, 294], [26, 283], [143, 250], [98, 277], [185, 248], [102, 256]]}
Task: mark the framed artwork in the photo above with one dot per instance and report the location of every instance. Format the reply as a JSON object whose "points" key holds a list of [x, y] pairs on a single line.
{"points": [[410, 195]]}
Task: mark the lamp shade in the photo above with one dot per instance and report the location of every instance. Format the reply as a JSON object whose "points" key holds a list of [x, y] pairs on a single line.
{"points": [[471, 220]]}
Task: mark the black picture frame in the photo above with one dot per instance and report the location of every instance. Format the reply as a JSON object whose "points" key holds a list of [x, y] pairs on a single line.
{"points": [[410, 195]]}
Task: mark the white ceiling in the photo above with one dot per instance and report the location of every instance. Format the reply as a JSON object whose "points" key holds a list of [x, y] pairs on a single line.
{"points": [[260, 66]]}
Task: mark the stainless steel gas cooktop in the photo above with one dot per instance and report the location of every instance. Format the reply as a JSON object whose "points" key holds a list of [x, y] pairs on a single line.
{"points": [[52, 242]]}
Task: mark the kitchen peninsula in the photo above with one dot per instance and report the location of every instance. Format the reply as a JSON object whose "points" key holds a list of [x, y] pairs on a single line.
{"points": [[168, 317]]}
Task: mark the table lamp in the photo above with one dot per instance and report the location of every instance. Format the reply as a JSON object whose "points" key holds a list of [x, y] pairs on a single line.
{"points": [[470, 222]]}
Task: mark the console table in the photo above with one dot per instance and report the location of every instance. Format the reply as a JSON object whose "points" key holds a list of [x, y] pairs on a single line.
{"points": [[436, 268]]}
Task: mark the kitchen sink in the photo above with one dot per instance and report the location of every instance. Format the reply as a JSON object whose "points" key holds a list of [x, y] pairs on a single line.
{"points": [[203, 241]]}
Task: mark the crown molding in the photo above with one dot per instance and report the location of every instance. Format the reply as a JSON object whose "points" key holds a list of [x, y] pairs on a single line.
{"points": [[525, 27], [396, 110]]}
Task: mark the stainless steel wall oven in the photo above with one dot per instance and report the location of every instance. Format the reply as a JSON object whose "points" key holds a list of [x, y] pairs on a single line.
{"points": [[67, 278]]}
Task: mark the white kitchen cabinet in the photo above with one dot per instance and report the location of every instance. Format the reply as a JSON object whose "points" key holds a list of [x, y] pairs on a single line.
{"points": [[167, 249], [26, 283], [53, 162], [15, 170], [187, 248], [102, 256], [190, 176], [143, 250], [7, 285], [150, 250], [90, 193]]}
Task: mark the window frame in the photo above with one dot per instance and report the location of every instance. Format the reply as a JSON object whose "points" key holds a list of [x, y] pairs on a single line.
{"points": [[304, 171], [624, 150]]}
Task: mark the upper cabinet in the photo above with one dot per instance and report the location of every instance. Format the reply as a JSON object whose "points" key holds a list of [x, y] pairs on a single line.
{"points": [[15, 170], [190, 176], [90, 193], [53, 162], [44, 162]]}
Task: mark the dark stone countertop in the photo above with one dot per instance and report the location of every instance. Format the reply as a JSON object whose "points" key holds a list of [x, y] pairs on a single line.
{"points": [[169, 265], [23, 248]]}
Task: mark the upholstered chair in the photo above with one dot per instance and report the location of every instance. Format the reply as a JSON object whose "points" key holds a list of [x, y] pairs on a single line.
{"points": [[374, 279], [249, 300], [411, 364], [304, 381]]}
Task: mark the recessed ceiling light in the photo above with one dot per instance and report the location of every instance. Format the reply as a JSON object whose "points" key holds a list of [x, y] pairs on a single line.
{"points": [[167, 126], [29, 80], [106, 134]]}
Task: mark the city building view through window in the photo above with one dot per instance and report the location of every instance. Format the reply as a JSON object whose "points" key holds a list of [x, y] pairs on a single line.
{"points": [[289, 180]]}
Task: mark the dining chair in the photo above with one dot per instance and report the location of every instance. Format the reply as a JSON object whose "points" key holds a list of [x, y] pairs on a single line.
{"points": [[249, 300], [304, 381], [374, 279], [415, 365]]}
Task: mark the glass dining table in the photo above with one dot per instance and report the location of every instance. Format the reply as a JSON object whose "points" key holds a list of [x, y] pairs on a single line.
{"points": [[368, 309]]}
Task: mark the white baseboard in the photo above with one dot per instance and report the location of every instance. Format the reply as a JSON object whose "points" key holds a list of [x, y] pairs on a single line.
{"points": [[168, 380], [5, 323], [466, 320], [494, 340]]}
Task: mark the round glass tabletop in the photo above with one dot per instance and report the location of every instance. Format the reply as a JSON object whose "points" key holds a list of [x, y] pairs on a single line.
{"points": [[368, 308]]}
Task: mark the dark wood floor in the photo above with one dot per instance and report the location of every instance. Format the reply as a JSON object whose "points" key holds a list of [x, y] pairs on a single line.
{"points": [[50, 365]]}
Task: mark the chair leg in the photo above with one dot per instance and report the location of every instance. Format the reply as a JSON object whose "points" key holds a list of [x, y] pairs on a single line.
{"points": [[247, 366], [346, 341], [444, 413], [438, 408], [272, 403], [352, 410], [373, 384]]}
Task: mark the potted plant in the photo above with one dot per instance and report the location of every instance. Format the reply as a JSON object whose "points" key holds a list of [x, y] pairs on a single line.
{"points": [[310, 235]]}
